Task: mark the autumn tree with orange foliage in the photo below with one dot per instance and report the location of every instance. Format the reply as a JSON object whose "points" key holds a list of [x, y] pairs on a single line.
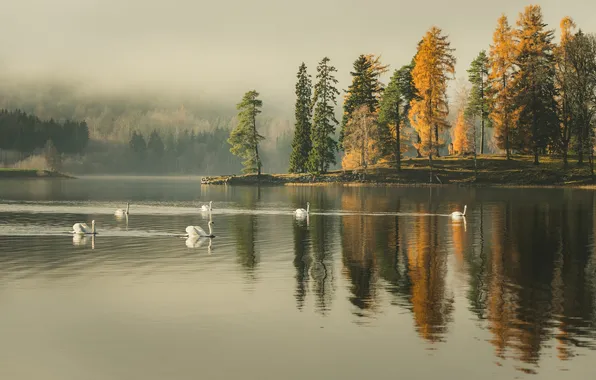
{"points": [[462, 135], [503, 112], [434, 61]]}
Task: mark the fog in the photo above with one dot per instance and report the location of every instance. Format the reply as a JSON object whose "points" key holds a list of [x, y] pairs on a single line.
{"points": [[220, 49]]}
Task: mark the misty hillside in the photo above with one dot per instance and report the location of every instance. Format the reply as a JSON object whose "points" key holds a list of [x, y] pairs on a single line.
{"points": [[113, 116]]}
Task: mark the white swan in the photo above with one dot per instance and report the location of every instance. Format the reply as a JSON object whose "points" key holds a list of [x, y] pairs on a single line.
{"points": [[121, 212], [206, 208], [198, 231], [459, 214], [83, 228], [300, 212]]}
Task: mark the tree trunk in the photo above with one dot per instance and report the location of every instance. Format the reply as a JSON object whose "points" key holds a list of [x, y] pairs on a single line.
{"points": [[591, 156], [437, 141], [475, 162], [482, 116], [254, 129], [397, 141], [430, 152], [535, 128], [419, 140], [506, 121], [482, 134], [398, 150]]}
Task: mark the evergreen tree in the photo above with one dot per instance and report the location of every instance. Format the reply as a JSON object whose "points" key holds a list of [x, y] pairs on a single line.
{"points": [[155, 145], [563, 72], [409, 93], [392, 113], [478, 104], [324, 147], [245, 138], [534, 83], [302, 144], [138, 145], [581, 52], [365, 89]]}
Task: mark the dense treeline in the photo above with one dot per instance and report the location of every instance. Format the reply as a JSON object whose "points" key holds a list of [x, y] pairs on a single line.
{"points": [[26, 133], [536, 96], [187, 152]]}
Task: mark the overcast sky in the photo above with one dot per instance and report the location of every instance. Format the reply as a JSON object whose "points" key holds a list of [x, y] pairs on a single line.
{"points": [[231, 46]]}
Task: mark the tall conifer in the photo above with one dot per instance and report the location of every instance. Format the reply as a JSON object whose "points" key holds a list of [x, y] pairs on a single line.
{"points": [[302, 144], [322, 154], [245, 138]]}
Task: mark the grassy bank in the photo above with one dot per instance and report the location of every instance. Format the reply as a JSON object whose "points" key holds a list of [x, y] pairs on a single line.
{"points": [[492, 171], [6, 173]]}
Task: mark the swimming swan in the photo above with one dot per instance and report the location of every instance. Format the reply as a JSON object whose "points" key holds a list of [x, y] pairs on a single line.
{"points": [[83, 228], [121, 212], [459, 214], [206, 208], [198, 231], [302, 212]]}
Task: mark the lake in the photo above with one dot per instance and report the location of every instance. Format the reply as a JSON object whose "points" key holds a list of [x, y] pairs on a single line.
{"points": [[377, 283]]}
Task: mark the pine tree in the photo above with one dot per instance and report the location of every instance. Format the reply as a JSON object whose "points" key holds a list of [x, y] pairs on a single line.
{"points": [[155, 145], [365, 89], [393, 111], [324, 147], [534, 83], [433, 62], [502, 56], [478, 104], [302, 144], [244, 138], [581, 52], [138, 145]]}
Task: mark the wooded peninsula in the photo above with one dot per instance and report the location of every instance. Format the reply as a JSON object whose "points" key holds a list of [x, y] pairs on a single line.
{"points": [[524, 116]]}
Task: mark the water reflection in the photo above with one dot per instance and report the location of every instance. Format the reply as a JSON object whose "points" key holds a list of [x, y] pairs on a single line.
{"points": [[521, 265], [199, 241], [78, 239]]}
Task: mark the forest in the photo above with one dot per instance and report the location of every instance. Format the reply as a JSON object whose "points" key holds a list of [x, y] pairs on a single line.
{"points": [[525, 94], [530, 95]]}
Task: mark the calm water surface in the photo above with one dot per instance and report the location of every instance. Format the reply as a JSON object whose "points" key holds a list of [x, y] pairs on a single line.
{"points": [[376, 284]]}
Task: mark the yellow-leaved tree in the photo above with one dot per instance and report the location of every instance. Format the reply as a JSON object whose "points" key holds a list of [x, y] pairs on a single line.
{"points": [[433, 63], [463, 132], [462, 136], [503, 112]]}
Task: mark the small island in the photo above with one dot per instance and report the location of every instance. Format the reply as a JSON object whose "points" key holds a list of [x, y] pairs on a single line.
{"points": [[7, 173], [491, 171]]}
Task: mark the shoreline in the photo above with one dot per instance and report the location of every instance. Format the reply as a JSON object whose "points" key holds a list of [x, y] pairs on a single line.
{"points": [[32, 174], [448, 171]]}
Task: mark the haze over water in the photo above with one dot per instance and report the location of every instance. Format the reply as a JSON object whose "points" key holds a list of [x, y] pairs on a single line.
{"points": [[377, 283]]}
